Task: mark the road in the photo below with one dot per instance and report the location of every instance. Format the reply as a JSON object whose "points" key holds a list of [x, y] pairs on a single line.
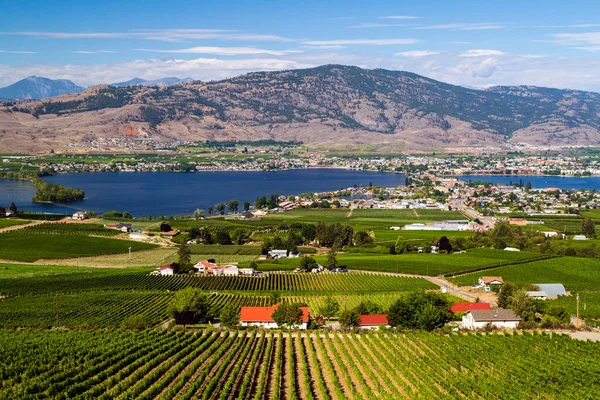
{"points": [[460, 205]]}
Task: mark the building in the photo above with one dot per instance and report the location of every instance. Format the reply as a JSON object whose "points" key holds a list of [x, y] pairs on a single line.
{"points": [[488, 281], [497, 317], [166, 269], [209, 267], [80, 215], [537, 294], [511, 249], [120, 227], [465, 307], [549, 291], [579, 237], [374, 321], [275, 254], [263, 317]]}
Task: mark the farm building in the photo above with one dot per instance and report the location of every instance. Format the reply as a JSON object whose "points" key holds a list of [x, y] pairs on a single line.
{"points": [[464, 307], [80, 215], [120, 227], [263, 317], [209, 267], [275, 254], [487, 281], [498, 317], [166, 269], [548, 291], [374, 321]]}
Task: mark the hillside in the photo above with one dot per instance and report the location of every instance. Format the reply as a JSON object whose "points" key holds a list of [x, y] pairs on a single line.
{"points": [[325, 107], [35, 87], [155, 82]]}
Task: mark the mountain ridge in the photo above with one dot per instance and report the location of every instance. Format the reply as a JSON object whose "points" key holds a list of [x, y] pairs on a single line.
{"points": [[34, 88], [330, 106], [166, 81]]}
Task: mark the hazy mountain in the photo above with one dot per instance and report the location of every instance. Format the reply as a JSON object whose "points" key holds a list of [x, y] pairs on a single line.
{"points": [[156, 82], [35, 87], [329, 106]]}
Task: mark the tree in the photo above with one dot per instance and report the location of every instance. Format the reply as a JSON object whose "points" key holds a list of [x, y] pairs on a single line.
{"points": [[184, 256], [220, 207], [292, 243], [229, 316], [419, 310], [287, 315], [330, 308], [368, 308], [277, 243], [13, 207], [198, 214], [588, 228], [223, 237], [506, 292], [239, 235], [246, 205], [307, 263], [2, 212], [522, 305], [401, 246], [188, 306], [233, 206], [332, 258], [444, 244], [164, 227], [362, 237], [349, 318], [210, 210]]}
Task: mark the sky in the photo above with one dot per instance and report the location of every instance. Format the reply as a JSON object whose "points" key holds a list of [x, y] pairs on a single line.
{"points": [[471, 43]]}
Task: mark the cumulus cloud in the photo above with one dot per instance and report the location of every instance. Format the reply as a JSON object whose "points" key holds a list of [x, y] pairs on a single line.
{"points": [[418, 53], [480, 69], [481, 53], [225, 51], [375, 42]]}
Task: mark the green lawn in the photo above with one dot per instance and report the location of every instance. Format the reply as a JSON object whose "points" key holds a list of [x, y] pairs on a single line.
{"points": [[5, 223], [18, 246]]}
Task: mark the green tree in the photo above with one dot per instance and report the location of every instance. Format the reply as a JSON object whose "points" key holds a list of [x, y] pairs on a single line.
{"points": [[220, 208], [198, 214], [588, 228], [2, 212], [210, 210], [330, 308], [522, 305], [277, 243], [362, 237], [418, 310], [223, 237], [368, 307], [233, 206], [287, 315], [307, 263], [349, 318], [506, 292], [13, 207], [401, 246], [189, 306], [184, 257], [229, 316], [239, 235], [246, 205], [332, 258]]}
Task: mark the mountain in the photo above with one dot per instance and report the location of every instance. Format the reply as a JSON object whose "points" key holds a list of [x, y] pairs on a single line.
{"points": [[327, 107], [35, 87], [156, 82]]}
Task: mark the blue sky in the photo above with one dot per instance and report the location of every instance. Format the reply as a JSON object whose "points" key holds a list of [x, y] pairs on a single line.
{"points": [[471, 43]]}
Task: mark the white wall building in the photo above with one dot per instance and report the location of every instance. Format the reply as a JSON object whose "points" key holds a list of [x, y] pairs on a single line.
{"points": [[498, 317]]}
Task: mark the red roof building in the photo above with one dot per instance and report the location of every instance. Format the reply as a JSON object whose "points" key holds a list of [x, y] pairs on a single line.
{"points": [[373, 321], [464, 307], [263, 316]]}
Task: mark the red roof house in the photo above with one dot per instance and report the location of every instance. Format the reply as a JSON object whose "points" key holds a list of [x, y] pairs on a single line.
{"points": [[464, 307], [263, 316], [373, 321]]}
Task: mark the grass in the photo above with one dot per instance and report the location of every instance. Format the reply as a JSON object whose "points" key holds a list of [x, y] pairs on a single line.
{"points": [[13, 271], [143, 258], [388, 236], [573, 272], [5, 223], [18, 246]]}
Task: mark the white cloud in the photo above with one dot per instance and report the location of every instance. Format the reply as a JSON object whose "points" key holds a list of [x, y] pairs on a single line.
{"points": [[480, 69], [375, 42], [166, 35], [366, 26], [18, 52], [477, 26], [399, 17], [418, 53], [325, 47], [481, 53], [587, 38], [93, 52], [224, 51]]}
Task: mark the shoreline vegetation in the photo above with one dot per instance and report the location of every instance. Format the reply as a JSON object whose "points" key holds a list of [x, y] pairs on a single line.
{"points": [[46, 192]]}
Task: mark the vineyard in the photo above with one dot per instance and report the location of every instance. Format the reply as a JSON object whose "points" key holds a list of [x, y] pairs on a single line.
{"points": [[261, 365], [64, 228], [273, 282]]}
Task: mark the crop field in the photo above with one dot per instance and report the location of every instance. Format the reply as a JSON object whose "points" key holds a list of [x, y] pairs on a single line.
{"points": [[21, 246], [5, 223], [225, 250], [388, 237], [573, 272], [63, 228], [260, 365], [285, 282], [420, 264]]}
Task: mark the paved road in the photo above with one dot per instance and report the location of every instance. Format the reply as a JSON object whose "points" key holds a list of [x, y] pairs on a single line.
{"points": [[459, 204]]}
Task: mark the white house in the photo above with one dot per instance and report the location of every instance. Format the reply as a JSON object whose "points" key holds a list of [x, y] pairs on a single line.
{"points": [[498, 317], [80, 215], [487, 281], [263, 317], [166, 269]]}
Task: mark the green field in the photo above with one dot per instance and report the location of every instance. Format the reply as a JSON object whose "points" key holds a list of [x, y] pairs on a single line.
{"points": [[5, 223], [220, 365], [389, 237], [22, 246]]}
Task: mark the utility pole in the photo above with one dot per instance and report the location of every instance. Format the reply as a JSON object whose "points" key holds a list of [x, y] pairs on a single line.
{"points": [[577, 315], [56, 306]]}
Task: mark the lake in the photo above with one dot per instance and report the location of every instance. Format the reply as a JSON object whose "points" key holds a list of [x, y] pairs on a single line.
{"points": [[172, 193], [561, 182]]}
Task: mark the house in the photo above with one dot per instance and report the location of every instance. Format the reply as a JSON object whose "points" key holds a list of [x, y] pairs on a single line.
{"points": [[80, 215], [374, 321], [9, 213], [166, 269], [275, 254], [464, 307], [210, 268], [497, 317], [204, 266], [552, 233], [263, 317], [120, 227], [488, 281]]}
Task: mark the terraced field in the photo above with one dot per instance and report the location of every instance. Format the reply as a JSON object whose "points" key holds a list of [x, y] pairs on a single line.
{"points": [[260, 365]]}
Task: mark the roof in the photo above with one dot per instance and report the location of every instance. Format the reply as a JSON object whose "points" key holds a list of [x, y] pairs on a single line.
{"points": [[537, 293], [166, 266], [464, 307], [552, 289], [374, 319], [496, 314], [265, 314], [488, 279]]}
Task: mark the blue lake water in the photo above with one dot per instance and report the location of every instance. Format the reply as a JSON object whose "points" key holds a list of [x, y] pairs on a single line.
{"points": [[561, 182], [170, 193]]}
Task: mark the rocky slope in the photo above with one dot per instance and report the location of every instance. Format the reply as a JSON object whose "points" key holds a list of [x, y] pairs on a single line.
{"points": [[325, 107]]}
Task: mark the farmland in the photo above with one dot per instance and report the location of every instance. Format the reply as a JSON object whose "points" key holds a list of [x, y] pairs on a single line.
{"points": [[5, 223], [256, 365]]}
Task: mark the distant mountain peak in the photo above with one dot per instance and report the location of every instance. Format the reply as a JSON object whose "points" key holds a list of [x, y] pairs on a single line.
{"points": [[35, 87]]}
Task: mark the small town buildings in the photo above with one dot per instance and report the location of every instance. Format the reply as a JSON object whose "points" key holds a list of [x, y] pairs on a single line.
{"points": [[374, 321], [465, 307], [80, 215], [497, 317], [166, 269], [263, 317]]}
